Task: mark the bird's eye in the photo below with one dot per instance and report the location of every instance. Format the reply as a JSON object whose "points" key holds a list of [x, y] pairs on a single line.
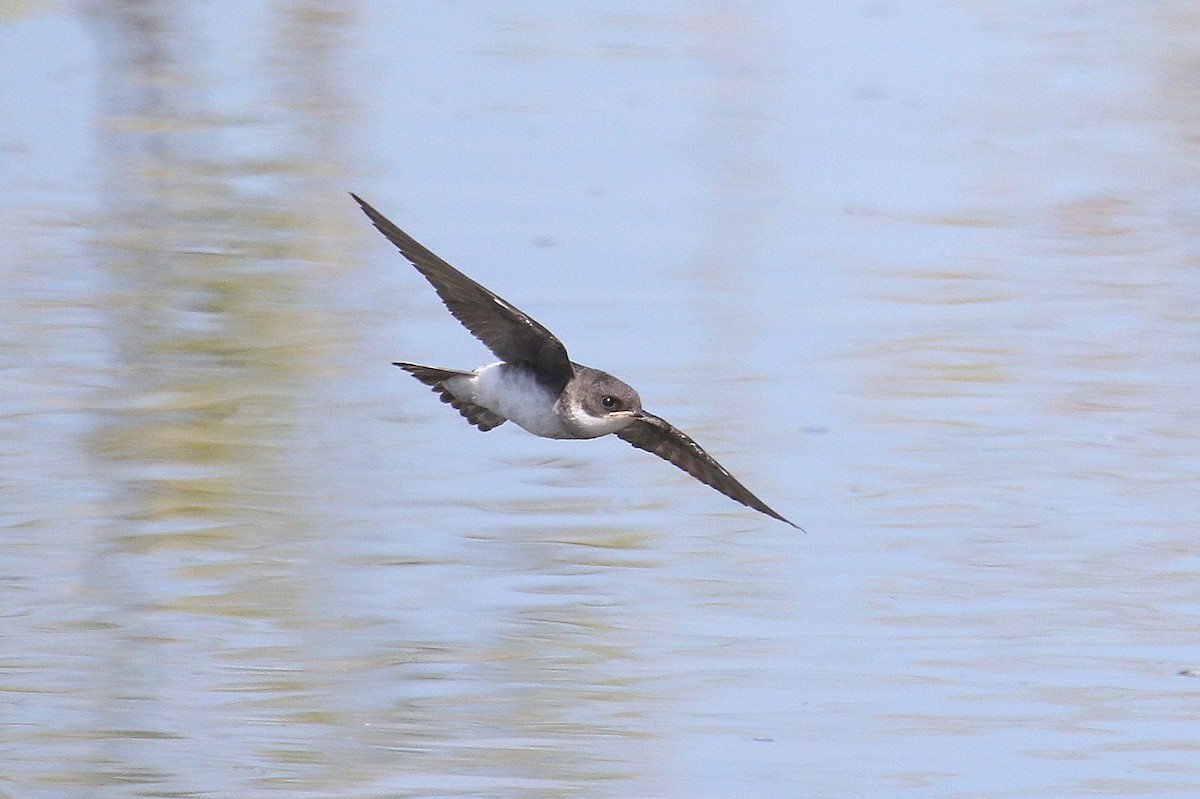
{"points": [[608, 401]]}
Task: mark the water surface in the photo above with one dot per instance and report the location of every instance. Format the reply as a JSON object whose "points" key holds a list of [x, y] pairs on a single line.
{"points": [[923, 275]]}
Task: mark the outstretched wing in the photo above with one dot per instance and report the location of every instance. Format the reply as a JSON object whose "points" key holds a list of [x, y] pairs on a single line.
{"points": [[659, 436], [511, 334]]}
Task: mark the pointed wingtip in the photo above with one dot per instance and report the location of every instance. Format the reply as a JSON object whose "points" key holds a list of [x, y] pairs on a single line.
{"points": [[788, 522]]}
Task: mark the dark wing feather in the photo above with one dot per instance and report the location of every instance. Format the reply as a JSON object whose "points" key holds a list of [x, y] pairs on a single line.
{"points": [[512, 335], [656, 435]]}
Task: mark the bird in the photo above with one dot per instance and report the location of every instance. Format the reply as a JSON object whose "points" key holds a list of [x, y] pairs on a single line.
{"points": [[536, 385]]}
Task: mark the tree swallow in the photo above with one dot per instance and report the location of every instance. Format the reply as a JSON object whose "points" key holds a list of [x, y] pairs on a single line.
{"points": [[536, 385]]}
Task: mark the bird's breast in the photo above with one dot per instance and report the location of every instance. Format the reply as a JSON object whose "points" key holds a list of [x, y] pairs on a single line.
{"points": [[515, 393]]}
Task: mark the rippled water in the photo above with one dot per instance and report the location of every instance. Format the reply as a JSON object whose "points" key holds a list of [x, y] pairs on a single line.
{"points": [[923, 275]]}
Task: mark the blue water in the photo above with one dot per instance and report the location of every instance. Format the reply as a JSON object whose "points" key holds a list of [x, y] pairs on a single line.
{"points": [[922, 275]]}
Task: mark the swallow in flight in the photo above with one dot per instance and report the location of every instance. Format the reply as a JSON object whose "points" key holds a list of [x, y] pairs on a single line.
{"points": [[536, 385]]}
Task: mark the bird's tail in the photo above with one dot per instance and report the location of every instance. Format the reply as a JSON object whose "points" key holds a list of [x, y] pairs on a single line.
{"points": [[435, 377], [432, 376]]}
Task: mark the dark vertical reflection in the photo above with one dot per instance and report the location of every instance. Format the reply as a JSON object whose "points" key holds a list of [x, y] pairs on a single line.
{"points": [[203, 296], [209, 271], [744, 194]]}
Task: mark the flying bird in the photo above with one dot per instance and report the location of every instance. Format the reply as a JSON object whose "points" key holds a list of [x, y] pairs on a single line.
{"points": [[536, 385]]}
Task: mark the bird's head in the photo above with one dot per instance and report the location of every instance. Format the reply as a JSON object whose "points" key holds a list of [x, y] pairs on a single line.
{"points": [[599, 404]]}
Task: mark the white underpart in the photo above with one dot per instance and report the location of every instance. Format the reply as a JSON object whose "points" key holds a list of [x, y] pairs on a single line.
{"points": [[515, 395], [585, 425]]}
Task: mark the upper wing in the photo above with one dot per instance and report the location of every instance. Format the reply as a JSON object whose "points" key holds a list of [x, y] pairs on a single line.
{"points": [[508, 332], [656, 435]]}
